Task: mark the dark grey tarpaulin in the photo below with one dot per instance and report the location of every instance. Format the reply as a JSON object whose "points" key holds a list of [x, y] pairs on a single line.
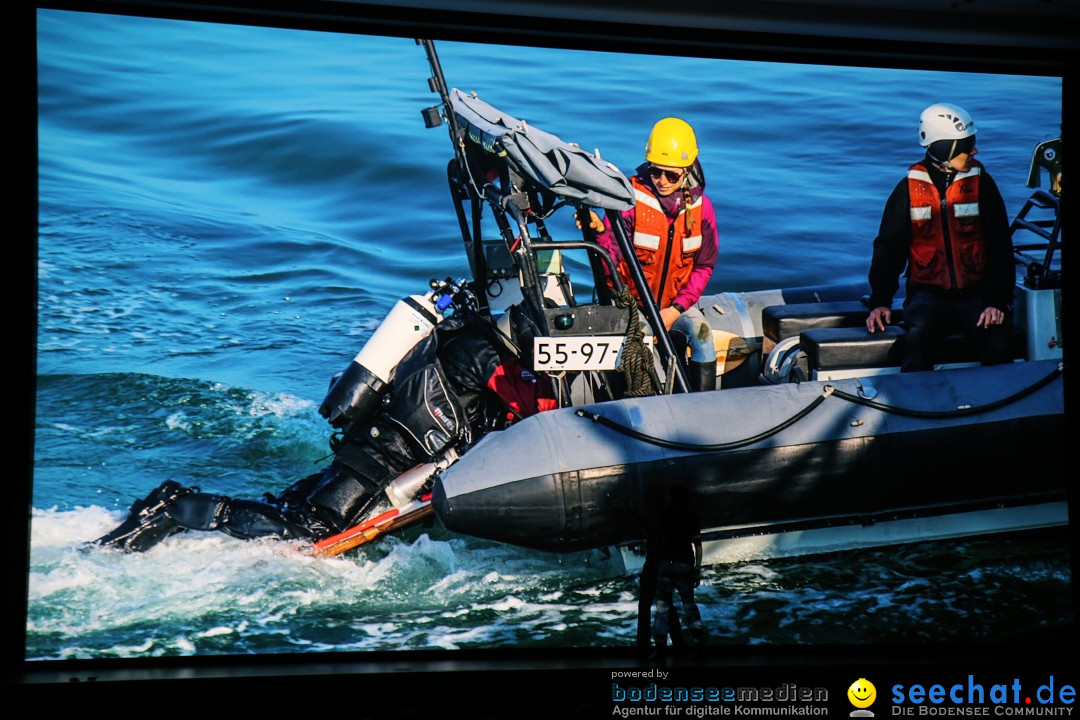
{"points": [[565, 169]]}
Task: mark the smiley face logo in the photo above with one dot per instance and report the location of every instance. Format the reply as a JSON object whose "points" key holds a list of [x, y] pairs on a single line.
{"points": [[862, 693]]}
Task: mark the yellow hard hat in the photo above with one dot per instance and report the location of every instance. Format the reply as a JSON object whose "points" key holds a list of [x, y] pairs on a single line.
{"points": [[672, 143]]}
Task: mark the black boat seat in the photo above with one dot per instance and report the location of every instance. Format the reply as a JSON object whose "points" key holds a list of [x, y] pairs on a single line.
{"points": [[779, 322], [842, 348], [845, 348]]}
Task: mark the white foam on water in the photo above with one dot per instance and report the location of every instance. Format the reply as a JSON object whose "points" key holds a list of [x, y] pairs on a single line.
{"points": [[455, 613], [59, 528], [178, 421], [279, 405], [195, 588], [206, 593], [510, 603], [454, 639], [595, 592]]}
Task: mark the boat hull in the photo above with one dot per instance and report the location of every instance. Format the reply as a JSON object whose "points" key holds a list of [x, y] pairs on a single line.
{"points": [[740, 544], [561, 482]]}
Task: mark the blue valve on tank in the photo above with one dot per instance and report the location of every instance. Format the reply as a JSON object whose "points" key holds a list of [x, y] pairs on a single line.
{"points": [[451, 293]]}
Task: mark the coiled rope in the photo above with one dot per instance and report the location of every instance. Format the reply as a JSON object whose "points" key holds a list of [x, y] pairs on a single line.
{"points": [[636, 363]]}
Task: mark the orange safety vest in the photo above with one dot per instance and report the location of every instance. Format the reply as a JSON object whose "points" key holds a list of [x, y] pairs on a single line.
{"points": [[663, 246], [946, 252]]}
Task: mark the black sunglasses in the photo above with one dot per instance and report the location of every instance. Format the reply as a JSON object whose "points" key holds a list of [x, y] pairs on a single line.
{"points": [[965, 145], [670, 175]]}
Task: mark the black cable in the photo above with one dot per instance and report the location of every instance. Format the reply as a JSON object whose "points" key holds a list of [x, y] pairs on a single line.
{"points": [[827, 391], [959, 412], [675, 445]]}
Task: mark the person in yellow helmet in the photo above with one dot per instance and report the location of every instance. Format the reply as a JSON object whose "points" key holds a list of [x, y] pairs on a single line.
{"points": [[673, 228]]}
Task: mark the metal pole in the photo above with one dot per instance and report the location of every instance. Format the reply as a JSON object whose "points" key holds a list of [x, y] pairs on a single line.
{"points": [[648, 302]]}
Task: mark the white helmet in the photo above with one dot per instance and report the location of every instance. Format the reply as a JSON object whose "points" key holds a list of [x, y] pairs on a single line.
{"points": [[943, 121]]}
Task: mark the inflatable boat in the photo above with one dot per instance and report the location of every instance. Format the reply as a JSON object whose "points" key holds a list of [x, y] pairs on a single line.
{"points": [[812, 440]]}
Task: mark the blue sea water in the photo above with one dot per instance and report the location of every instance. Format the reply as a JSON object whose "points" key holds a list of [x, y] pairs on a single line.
{"points": [[227, 212]]}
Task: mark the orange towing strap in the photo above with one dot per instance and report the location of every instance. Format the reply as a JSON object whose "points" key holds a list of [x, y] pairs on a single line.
{"points": [[368, 530]]}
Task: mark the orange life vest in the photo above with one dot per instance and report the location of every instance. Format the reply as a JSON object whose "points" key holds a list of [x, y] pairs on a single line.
{"points": [[664, 247], [946, 252]]}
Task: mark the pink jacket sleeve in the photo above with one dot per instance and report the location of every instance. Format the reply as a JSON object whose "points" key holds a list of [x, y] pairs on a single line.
{"points": [[606, 239], [704, 259]]}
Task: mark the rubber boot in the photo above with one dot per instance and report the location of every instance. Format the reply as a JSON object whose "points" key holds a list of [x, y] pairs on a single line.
{"points": [[675, 628], [646, 595], [147, 523], [698, 648], [660, 651], [702, 375], [244, 519]]}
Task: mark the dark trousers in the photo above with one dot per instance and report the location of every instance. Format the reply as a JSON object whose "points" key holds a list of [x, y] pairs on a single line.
{"points": [[671, 578], [646, 597], [931, 317]]}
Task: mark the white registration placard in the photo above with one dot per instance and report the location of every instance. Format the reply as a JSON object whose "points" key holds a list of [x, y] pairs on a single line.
{"points": [[585, 352]]}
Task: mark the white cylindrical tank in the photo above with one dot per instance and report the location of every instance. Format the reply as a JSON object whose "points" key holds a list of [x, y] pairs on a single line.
{"points": [[355, 393]]}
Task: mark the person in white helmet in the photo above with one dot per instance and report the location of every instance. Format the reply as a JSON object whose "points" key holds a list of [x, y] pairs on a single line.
{"points": [[946, 223]]}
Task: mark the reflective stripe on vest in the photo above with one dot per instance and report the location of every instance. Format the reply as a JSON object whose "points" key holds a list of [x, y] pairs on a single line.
{"points": [[647, 198], [645, 240], [924, 212]]}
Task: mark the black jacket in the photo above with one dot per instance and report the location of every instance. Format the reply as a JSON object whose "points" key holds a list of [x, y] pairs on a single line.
{"points": [[893, 243]]}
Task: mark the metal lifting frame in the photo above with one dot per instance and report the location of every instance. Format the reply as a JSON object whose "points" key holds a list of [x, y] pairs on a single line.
{"points": [[515, 204]]}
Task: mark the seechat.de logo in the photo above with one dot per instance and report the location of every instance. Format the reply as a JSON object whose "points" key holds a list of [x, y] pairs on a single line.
{"points": [[974, 698]]}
